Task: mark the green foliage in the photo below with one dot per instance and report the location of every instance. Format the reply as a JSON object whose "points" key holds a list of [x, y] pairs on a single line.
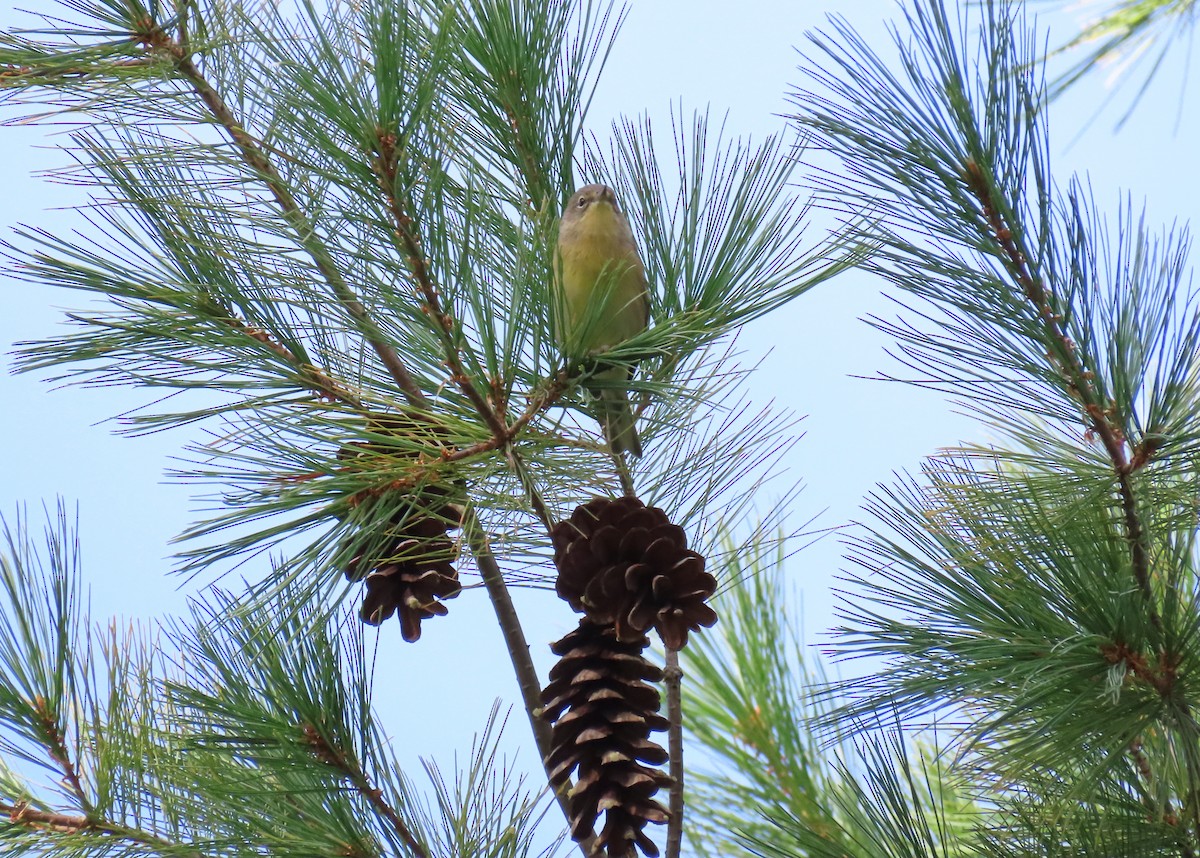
{"points": [[216, 738], [315, 219], [485, 812], [745, 705], [313, 223], [325, 213], [1041, 589], [893, 809], [767, 783], [40, 679]]}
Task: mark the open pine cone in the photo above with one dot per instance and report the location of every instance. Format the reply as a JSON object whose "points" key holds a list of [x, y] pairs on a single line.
{"points": [[603, 710], [623, 563], [411, 570], [404, 550]]}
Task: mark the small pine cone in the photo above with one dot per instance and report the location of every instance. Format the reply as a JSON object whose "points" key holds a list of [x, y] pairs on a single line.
{"points": [[401, 547], [410, 575], [411, 589], [603, 710], [623, 563]]}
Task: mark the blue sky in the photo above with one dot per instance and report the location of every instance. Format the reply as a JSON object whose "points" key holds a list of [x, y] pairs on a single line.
{"points": [[857, 433]]}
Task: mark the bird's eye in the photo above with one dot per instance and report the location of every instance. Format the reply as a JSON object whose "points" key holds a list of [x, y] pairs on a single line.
{"points": [[583, 202]]}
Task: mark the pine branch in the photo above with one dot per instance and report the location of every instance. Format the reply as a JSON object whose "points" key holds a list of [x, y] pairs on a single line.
{"points": [[385, 167], [1080, 382], [503, 434], [256, 157], [443, 322], [1042, 587], [22, 75], [1121, 37], [51, 823], [354, 773], [315, 379], [57, 747]]}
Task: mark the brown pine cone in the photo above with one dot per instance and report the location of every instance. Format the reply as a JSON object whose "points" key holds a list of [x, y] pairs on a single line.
{"points": [[401, 547], [411, 568], [603, 708], [623, 563]]}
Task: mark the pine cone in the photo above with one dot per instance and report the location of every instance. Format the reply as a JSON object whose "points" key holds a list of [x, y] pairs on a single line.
{"points": [[623, 563], [603, 710], [401, 547], [411, 574]]}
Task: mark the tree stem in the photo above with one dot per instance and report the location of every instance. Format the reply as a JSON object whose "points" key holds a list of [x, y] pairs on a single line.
{"points": [[518, 653], [673, 677]]}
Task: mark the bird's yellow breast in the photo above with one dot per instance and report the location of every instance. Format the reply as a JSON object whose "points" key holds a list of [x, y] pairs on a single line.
{"points": [[598, 249]]}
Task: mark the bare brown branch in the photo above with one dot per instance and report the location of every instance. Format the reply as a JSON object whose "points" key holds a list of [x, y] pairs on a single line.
{"points": [[518, 652], [673, 677]]}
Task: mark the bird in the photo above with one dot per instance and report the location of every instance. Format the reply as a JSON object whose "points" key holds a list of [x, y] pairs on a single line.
{"points": [[603, 300]]}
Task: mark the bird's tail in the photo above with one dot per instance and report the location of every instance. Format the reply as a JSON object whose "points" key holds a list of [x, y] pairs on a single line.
{"points": [[620, 426]]}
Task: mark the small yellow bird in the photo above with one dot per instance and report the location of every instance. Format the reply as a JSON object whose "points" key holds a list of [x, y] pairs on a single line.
{"points": [[603, 299]]}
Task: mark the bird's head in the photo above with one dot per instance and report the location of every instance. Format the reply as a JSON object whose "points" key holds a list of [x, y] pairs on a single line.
{"points": [[590, 202]]}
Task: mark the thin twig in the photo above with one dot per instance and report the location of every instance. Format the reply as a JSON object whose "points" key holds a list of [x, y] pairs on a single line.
{"points": [[87, 822], [517, 463], [56, 745], [673, 678], [13, 74], [255, 156], [66, 823], [318, 381], [384, 164], [533, 177], [1146, 773], [335, 758], [539, 401], [624, 474]]}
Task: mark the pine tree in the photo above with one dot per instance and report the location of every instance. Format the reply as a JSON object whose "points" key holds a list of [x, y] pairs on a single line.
{"points": [[335, 223]]}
